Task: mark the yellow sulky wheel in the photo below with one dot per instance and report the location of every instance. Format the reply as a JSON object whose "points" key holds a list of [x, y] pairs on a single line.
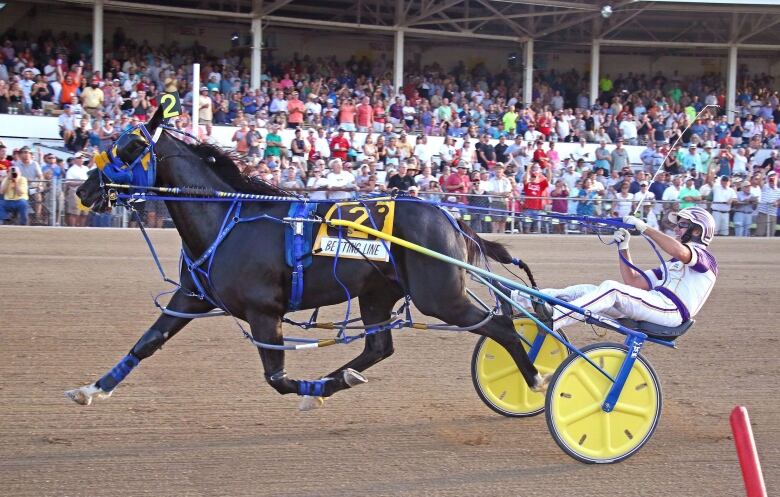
{"points": [[498, 381], [576, 419]]}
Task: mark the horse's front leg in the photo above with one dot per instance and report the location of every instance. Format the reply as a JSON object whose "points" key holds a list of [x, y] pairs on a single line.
{"points": [[154, 338], [375, 307], [267, 329]]}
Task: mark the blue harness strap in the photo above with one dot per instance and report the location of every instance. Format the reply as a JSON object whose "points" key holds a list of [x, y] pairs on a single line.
{"points": [[297, 248]]}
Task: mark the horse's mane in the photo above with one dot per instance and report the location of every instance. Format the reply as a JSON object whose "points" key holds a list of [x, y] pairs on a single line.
{"points": [[228, 166]]}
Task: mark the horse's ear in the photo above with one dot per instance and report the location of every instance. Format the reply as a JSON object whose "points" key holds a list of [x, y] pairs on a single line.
{"points": [[156, 120]]}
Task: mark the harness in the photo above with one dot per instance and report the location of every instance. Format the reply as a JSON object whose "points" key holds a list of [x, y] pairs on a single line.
{"points": [[138, 174]]}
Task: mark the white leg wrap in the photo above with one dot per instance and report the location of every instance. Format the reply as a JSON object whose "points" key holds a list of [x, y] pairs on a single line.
{"points": [[541, 382], [309, 403]]}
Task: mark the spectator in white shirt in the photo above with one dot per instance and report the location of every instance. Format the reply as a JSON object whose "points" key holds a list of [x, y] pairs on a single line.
{"points": [[569, 176], [581, 152], [317, 184], [628, 130], [322, 145], [722, 197], [341, 183], [421, 150], [447, 151], [740, 166]]}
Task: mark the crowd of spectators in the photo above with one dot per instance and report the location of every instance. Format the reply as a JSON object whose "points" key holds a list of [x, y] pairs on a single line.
{"points": [[497, 153]]}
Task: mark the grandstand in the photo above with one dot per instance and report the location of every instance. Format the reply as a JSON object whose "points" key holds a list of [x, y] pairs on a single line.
{"points": [[643, 71]]}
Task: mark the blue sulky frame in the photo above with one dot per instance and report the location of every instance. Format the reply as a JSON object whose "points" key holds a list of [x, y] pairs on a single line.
{"points": [[634, 339]]}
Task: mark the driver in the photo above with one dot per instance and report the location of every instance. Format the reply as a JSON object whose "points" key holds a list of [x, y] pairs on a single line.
{"points": [[650, 296]]}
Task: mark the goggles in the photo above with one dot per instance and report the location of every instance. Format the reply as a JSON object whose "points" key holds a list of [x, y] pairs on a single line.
{"points": [[684, 224]]}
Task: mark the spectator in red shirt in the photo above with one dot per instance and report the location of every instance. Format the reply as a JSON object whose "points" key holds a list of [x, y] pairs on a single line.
{"points": [[5, 164], [540, 156], [365, 116], [295, 111], [347, 115], [534, 186], [339, 146], [458, 182], [70, 83]]}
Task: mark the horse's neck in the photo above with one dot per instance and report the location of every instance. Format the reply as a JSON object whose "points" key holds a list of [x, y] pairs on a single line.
{"points": [[198, 223]]}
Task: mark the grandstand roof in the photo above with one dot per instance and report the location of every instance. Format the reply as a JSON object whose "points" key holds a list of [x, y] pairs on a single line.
{"points": [[637, 24]]}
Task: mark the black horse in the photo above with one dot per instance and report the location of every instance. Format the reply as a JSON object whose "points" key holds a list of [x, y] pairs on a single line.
{"points": [[252, 282]]}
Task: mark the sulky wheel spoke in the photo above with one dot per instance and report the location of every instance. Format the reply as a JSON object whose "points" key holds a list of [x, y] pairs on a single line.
{"points": [[580, 414], [641, 411], [591, 387], [500, 374], [607, 433]]}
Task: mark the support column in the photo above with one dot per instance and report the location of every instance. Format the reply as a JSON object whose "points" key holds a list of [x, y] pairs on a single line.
{"points": [[528, 77], [97, 38], [257, 51], [595, 70], [398, 62], [731, 84], [195, 98]]}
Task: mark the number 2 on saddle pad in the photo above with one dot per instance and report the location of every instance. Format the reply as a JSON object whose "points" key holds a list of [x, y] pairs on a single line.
{"points": [[354, 244]]}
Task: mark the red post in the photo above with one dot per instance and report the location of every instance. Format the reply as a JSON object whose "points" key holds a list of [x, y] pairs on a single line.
{"points": [[746, 450]]}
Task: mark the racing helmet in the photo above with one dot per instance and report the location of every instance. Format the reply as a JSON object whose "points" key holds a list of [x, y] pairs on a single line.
{"points": [[698, 217]]}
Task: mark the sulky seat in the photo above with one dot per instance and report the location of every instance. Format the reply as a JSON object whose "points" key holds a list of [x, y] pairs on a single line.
{"points": [[657, 331]]}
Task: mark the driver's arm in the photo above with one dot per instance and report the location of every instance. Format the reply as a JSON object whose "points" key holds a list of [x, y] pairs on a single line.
{"points": [[670, 245], [630, 275]]}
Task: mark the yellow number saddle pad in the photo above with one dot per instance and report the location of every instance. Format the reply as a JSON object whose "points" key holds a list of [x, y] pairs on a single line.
{"points": [[355, 244]]}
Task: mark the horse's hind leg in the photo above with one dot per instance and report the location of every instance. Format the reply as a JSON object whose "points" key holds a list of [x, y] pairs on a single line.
{"points": [[155, 337], [463, 313]]}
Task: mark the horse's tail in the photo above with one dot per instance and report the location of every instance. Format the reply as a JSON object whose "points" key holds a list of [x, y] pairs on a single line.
{"points": [[476, 245]]}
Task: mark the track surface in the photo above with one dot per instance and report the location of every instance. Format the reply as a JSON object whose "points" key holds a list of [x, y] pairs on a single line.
{"points": [[198, 419]]}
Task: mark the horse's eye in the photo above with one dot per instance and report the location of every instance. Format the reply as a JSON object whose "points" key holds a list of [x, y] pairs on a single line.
{"points": [[211, 160]]}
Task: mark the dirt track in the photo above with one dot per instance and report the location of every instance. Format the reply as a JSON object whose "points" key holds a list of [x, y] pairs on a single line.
{"points": [[198, 418]]}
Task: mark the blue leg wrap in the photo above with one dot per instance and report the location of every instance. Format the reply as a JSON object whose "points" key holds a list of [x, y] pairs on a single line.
{"points": [[314, 388], [118, 372]]}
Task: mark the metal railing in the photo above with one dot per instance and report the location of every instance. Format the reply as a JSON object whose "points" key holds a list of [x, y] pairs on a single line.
{"points": [[54, 203]]}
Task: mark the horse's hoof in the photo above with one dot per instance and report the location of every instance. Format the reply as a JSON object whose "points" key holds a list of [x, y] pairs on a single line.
{"points": [[78, 396], [309, 403], [541, 383], [353, 378], [86, 394]]}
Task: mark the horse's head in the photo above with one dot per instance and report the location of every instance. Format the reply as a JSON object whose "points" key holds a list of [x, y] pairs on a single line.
{"points": [[129, 161]]}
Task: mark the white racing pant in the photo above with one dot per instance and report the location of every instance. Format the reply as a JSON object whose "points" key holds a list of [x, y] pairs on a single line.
{"points": [[612, 299]]}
